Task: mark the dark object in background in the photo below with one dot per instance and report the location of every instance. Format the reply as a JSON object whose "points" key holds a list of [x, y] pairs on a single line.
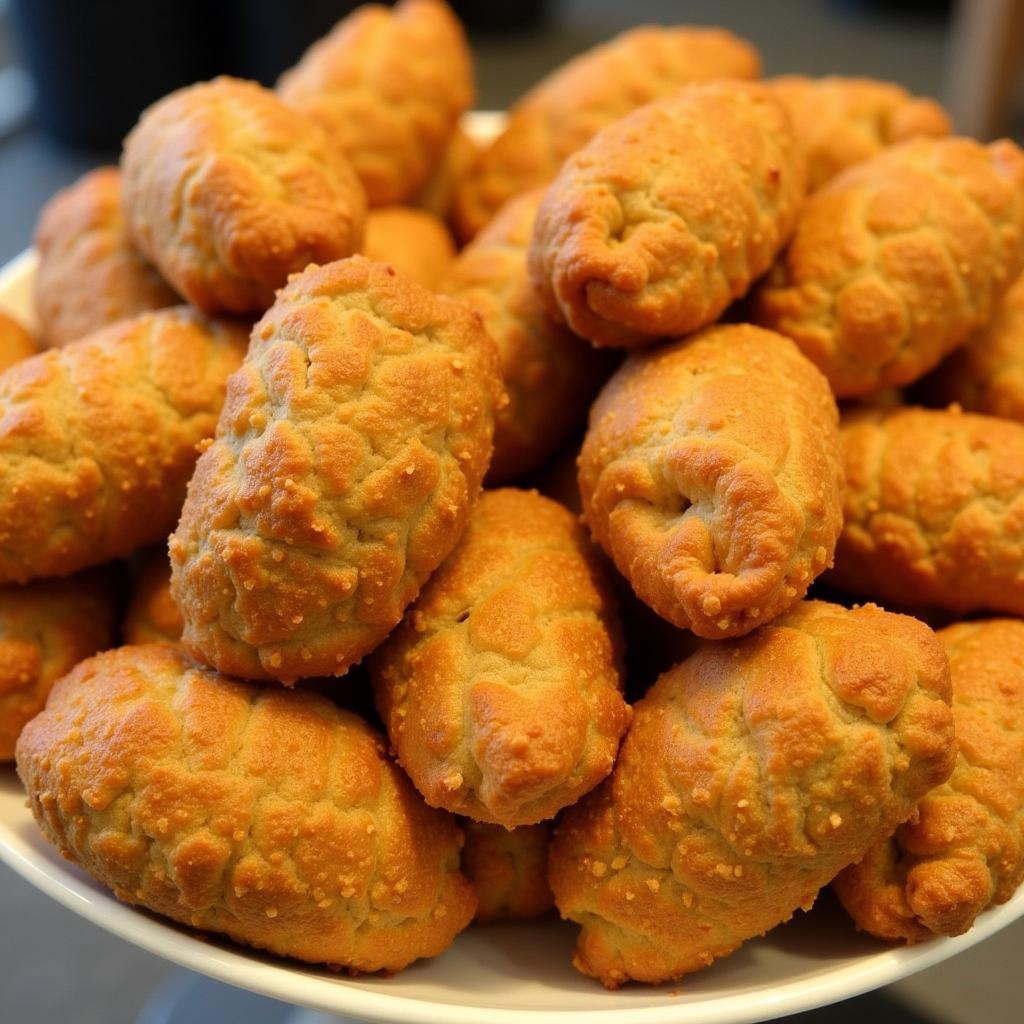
{"points": [[488, 16]]}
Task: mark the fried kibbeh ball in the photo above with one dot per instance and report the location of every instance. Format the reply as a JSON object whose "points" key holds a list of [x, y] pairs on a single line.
{"points": [[152, 617], [711, 475], [564, 111], [271, 816], [898, 260], [90, 275], [550, 374], [964, 850], [508, 869], [414, 242], [228, 191], [501, 690], [46, 628], [663, 218], [934, 510], [347, 459], [840, 121], [16, 343], [438, 192], [388, 85], [753, 773], [98, 439]]}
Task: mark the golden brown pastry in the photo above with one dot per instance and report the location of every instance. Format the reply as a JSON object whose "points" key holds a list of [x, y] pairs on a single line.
{"points": [[15, 342], [271, 816], [152, 617], [90, 275], [564, 111], [964, 850], [934, 510], [413, 241], [896, 261], [501, 689], [347, 460], [508, 869], [98, 439], [228, 191], [665, 217], [438, 193], [711, 475], [839, 121], [388, 85], [550, 375], [986, 374], [46, 628], [753, 772]]}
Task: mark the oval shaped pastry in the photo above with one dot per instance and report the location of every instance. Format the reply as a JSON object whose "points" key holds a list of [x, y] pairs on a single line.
{"points": [[270, 816], [152, 617], [898, 260], [840, 121], [934, 510], [550, 374], [965, 849], [508, 869], [753, 772], [228, 191], [90, 274], [46, 628], [347, 460], [665, 217], [16, 343], [98, 439], [565, 109], [388, 85], [711, 475], [413, 241], [501, 689]]}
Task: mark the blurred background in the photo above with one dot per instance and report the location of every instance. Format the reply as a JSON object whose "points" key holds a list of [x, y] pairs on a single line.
{"points": [[74, 75]]}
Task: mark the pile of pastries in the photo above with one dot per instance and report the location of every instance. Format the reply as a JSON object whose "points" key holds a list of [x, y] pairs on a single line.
{"points": [[397, 532]]}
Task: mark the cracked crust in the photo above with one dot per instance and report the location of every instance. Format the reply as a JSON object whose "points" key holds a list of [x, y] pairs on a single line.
{"points": [[753, 772], [896, 261], [501, 689], [90, 275], [934, 511], [964, 851], [16, 343], [152, 617], [228, 191], [389, 85], [412, 241], [550, 375], [46, 628], [508, 869], [711, 474], [564, 111], [347, 459], [98, 439], [665, 217], [271, 816], [839, 122]]}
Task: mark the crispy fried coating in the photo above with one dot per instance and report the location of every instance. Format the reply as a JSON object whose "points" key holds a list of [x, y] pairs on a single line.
{"points": [[508, 869], [271, 816], [152, 617], [934, 510], [665, 217], [347, 459], [711, 475], [228, 191], [501, 689], [839, 121], [46, 628], [965, 848], [550, 374], [16, 343], [98, 439], [896, 261], [986, 374], [564, 111], [389, 86], [753, 772], [90, 275], [413, 241], [438, 193]]}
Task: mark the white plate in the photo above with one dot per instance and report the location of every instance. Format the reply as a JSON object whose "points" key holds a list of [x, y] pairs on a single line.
{"points": [[502, 973]]}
